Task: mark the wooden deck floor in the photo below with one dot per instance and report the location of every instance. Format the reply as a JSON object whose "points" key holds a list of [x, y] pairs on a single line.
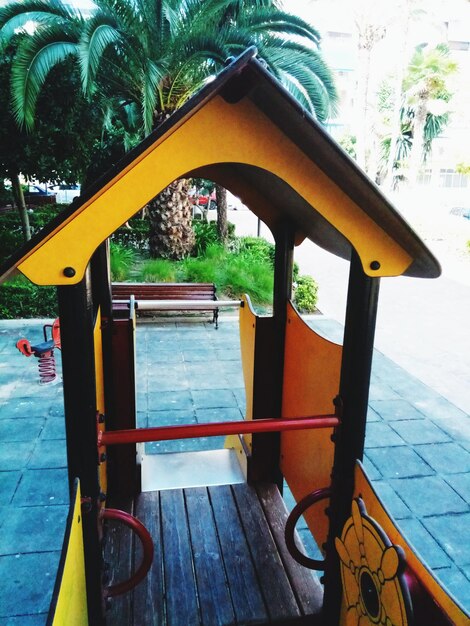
{"points": [[220, 559]]}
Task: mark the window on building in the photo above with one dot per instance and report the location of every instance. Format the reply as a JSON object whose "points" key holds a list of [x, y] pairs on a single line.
{"points": [[451, 178], [425, 177]]}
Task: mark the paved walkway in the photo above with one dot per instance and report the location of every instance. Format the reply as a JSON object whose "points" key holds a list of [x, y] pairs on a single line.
{"points": [[417, 450]]}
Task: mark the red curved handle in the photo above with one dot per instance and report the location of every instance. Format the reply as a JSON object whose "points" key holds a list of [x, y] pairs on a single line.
{"points": [[24, 347], [56, 333], [147, 547], [297, 511]]}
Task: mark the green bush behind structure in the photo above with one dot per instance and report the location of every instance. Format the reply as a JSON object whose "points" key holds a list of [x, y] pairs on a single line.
{"points": [[20, 298]]}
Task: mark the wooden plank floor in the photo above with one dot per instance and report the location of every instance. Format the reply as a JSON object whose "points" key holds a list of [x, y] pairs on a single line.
{"points": [[220, 559]]}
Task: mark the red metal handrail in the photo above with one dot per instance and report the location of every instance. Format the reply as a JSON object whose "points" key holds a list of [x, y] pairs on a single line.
{"points": [[147, 549], [289, 531], [165, 433]]}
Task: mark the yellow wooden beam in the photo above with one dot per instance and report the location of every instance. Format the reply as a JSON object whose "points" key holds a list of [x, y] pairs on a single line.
{"points": [[217, 133]]}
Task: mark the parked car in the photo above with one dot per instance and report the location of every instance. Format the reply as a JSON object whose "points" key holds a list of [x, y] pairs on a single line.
{"points": [[66, 193], [38, 196], [461, 211]]}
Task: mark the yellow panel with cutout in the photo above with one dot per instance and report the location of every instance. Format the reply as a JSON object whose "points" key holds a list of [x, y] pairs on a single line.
{"points": [[378, 581], [312, 367], [69, 601], [235, 133], [247, 347]]}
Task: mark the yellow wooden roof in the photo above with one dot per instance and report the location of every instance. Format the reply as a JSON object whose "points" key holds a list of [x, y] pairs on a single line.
{"points": [[246, 132]]}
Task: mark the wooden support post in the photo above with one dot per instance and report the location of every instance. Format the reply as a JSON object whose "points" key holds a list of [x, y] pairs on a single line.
{"points": [[101, 292], [78, 366], [352, 404], [269, 362], [119, 378]]}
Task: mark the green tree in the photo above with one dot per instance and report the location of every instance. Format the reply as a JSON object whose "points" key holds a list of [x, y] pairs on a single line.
{"points": [[153, 55], [403, 140], [59, 148], [427, 94]]}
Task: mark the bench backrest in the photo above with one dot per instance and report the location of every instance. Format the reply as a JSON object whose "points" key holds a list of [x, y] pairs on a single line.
{"points": [[165, 291]]}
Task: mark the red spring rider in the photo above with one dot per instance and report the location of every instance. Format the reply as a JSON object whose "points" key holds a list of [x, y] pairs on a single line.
{"points": [[44, 352]]}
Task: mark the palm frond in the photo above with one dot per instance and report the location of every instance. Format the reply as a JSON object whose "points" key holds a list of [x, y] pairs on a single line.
{"points": [[268, 20], [35, 59], [152, 75], [15, 16], [307, 68], [99, 33]]}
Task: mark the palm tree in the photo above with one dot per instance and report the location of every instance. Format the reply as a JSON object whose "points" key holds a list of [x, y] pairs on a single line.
{"points": [[152, 55], [425, 88]]}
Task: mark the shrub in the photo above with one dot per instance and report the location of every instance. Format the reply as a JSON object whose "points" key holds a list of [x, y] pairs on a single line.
{"points": [[205, 269], [11, 234], [257, 248], [6, 197], [20, 298], [157, 271], [244, 274], [135, 237], [262, 249], [122, 260], [306, 294], [205, 234], [295, 272], [41, 216]]}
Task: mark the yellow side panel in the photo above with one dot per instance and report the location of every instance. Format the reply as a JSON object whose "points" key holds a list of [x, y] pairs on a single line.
{"points": [[71, 605], [247, 346], [235, 133], [376, 510], [99, 378], [98, 343], [311, 381]]}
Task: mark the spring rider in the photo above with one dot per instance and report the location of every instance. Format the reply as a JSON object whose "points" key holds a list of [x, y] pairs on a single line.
{"points": [[44, 352]]}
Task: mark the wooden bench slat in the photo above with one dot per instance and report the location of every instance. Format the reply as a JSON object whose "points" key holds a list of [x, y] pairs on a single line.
{"points": [[244, 586], [275, 585], [214, 597], [306, 586], [149, 607], [180, 586]]}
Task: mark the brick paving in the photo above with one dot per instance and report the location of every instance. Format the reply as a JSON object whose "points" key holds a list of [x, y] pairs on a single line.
{"points": [[417, 450]]}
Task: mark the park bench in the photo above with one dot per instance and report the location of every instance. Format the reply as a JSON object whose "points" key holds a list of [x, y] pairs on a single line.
{"points": [[191, 296]]}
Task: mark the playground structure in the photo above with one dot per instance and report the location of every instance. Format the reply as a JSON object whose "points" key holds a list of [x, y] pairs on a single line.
{"points": [[306, 397]]}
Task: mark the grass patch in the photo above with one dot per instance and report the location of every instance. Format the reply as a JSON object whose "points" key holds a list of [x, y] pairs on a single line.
{"points": [[242, 275], [158, 271]]}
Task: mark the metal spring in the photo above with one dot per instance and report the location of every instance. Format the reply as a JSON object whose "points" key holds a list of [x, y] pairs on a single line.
{"points": [[47, 369]]}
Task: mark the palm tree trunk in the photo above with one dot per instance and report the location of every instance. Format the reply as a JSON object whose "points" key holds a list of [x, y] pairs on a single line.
{"points": [[171, 232], [417, 147], [20, 205], [222, 229]]}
